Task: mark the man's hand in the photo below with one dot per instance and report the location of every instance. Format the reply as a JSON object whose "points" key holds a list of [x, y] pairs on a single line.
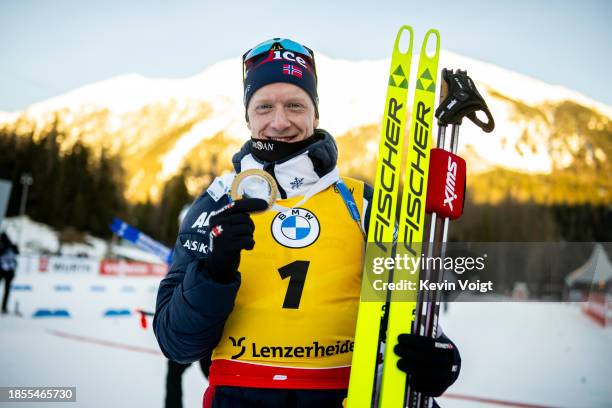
{"points": [[231, 231], [432, 364]]}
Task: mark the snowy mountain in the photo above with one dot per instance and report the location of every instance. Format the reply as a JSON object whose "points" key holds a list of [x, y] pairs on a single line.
{"points": [[161, 125]]}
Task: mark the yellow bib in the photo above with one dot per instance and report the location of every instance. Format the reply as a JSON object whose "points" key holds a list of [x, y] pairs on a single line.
{"points": [[297, 302]]}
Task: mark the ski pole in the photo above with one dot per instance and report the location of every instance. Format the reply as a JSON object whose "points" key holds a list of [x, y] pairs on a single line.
{"points": [[462, 100], [414, 398], [459, 98]]}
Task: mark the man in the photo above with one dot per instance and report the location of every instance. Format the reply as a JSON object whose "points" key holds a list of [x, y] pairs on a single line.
{"points": [[272, 295], [8, 265]]}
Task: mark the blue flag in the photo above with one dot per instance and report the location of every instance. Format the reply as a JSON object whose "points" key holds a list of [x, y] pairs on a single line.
{"points": [[140, 239]]}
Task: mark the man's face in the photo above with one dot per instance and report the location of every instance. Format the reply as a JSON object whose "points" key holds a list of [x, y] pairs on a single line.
{"points": [[283, 112]]}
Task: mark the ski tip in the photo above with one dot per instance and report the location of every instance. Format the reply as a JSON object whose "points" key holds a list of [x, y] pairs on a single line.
{"points": [[426, 47], [398, 40]]}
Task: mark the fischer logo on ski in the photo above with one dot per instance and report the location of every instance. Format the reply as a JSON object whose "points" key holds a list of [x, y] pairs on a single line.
{"points": [[389, 173], [416, 179]]}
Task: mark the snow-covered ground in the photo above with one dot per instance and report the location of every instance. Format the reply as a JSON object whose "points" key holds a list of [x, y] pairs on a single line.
{"points": [[112, 361], [548, 354], [522, 353]]}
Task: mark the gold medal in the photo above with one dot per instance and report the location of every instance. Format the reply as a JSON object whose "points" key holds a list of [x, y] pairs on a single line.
{"points": [[255, 183]]}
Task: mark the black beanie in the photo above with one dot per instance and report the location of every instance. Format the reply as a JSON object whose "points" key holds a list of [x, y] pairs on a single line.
{"points": [[278, 65]]}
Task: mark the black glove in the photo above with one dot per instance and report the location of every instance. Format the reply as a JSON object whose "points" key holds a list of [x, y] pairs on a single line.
{"points": [[231, 231], [432, 365]]}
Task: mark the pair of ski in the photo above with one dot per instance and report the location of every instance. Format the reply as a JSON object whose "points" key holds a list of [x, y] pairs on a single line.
{"points": [[385, 314]]}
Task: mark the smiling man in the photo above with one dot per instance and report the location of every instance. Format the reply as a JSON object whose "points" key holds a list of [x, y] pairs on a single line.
{"points": [[281, 112], [271, 295]]}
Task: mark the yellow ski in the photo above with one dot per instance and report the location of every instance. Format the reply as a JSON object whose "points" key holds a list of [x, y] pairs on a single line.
{"points": [[381, 227]]}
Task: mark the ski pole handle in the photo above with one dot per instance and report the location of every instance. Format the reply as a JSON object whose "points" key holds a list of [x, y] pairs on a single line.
{"points": [[462, 99]]}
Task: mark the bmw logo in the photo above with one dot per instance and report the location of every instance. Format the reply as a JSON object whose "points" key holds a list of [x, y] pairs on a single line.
{"points": [[296, 228]]}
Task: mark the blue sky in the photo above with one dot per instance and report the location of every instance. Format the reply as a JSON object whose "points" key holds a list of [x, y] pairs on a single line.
{"points": [[50, 47]]}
